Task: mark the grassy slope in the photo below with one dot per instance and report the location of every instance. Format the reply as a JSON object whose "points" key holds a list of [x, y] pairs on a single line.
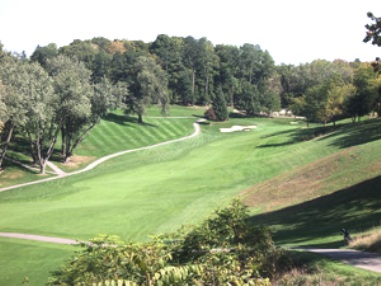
{"points": [[311, 204]]}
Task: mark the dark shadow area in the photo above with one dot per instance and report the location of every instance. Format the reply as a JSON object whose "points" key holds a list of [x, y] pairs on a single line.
{"points": [[298, 135], [289, 131], [236, 115], [119, 119], [198, 116], [356, 209], [276, 144], [357, 134], [124, 120]]}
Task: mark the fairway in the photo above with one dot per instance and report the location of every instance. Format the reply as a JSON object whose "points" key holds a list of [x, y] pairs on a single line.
{"points": [[158, 190]]}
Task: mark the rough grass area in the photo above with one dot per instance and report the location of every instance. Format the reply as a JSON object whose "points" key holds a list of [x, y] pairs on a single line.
{"points": [[370, 241]]}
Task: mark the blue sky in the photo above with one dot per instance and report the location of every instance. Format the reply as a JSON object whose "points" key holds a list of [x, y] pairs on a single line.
{"points": [[293, 31]]}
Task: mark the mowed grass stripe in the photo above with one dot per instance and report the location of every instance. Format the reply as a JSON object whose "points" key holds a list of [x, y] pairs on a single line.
{"points": [[110, 137], [175, 129]]}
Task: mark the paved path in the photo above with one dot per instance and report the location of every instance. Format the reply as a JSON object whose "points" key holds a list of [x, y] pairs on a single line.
{"points": [[56, 169], [56, 240], [365, 260], [91, 166]]}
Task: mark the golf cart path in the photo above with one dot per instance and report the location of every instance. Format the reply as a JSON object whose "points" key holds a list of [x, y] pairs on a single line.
{"points": [[360, 259], [61, 174], [56, 240]]}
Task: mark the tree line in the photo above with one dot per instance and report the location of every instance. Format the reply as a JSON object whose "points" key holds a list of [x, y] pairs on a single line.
{"points": [[244, 78], [65, 91]]}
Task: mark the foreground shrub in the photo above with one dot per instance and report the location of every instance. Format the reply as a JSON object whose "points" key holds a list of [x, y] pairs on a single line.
{"points": [[224, 250]]}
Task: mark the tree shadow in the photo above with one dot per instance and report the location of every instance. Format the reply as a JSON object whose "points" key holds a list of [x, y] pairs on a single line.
{"points": [[276, 144], [237, 115], [124, 120], [356, 134], [198, 116], [297, 135], [357, 208]]}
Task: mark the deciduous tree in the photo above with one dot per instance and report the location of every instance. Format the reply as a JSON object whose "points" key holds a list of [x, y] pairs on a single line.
{"points": [[72, 85], [149, 86]]}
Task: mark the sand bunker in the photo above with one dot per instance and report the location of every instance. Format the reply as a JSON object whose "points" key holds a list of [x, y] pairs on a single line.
{"points": [[237, 128]]}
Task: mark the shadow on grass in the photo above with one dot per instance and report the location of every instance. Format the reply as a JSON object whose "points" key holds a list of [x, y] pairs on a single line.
{"points": [[276, 144], [343, 136], [356, 209], [298, 135], [198, 116], [124, 120], [357, 134]]}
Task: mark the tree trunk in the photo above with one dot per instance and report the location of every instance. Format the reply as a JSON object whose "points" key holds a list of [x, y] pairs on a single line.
{"points": [[43, 167], [63, 142], [140, 118], [32, 149], [193, 81], [5, 147], [41, 159], [70, 151]]}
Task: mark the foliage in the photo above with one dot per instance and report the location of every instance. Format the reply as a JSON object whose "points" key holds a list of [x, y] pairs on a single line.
{"points": [[367, 93], [29, 105], [149, 86], [224, 250], [373, 33], [219, 110], [43, 54]]}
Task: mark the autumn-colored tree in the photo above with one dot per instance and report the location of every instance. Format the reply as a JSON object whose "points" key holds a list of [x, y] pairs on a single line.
{"points": [[116, 46]]}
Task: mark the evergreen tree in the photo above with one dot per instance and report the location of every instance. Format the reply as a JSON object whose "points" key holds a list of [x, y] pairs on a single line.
{"points": [[219, 106]]}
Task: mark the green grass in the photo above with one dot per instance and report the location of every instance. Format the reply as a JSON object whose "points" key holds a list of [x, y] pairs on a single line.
{"points": [[23, 260], [158, 190], [114, 133], [117, 133], [153, 191]]}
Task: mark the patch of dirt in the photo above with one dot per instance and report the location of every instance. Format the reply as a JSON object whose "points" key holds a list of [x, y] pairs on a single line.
{"points": [[76, 161], [295, 186], [376, 167], [10, 175]]}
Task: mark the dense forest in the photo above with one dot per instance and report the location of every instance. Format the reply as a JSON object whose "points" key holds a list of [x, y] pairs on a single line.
{"points": [[65, 91]]}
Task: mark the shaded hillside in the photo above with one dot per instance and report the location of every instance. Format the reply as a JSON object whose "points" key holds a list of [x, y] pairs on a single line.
{"points": [[356, 208], [312, 203]]}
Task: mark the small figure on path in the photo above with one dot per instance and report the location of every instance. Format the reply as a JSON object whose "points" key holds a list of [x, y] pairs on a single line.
{"points": [[347, 236]]}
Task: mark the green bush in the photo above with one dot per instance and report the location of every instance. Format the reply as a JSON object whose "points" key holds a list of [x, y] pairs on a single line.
{"points": [[224, 250]]}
